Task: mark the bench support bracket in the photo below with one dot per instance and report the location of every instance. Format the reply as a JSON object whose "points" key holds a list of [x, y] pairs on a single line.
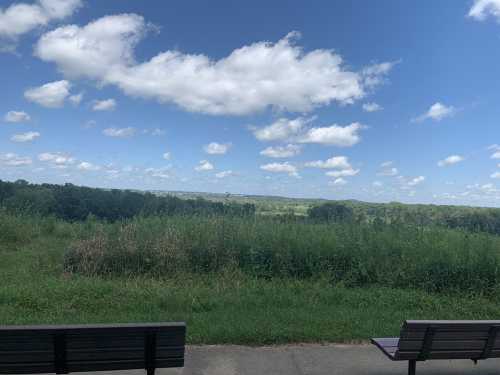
{"points": [[412, 367], [150, 353]]}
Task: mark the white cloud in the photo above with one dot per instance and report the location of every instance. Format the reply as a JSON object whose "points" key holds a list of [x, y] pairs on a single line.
{"points": [[377, 184], [50, 95], [450, 160], [387, 169], [376, 74], [20, 18], [86, 166], [57, 158], [287, 151], [104, 105], [495, 175], [166, 156], [482, 8], [343, 173], [25, 137], [157, 132], [215, 148], [285, 167], [119, 132], [14, 160], [337, 162], [496, 155], [282, 129], [163, 173], [334, 135], [436, 112], [416, 181], [204, 165], [224, 174], [371, 107], [94, 50], [339, 182], [76, 99], [16, 116], [250, 79]]}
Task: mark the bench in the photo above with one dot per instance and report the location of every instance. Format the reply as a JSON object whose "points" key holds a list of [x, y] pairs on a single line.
{"points": [[74, 348], [422, 340]]}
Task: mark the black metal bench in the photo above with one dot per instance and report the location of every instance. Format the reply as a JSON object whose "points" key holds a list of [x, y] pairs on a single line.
{"points": [[422, 340], [74, 348]]}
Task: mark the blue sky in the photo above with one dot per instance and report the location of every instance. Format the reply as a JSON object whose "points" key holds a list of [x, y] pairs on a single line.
{"points": [[378, 101]]}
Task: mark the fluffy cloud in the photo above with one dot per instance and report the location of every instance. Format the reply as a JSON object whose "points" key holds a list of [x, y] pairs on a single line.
{"points": [[16, 116], [436, 112], [483, 8], [20, 18], [104, 105], [50, 95], [163, 173], [166, 156], [215, 148], [338, 182], [25, 137], [336, 162], [376, 74], [343, 173], [76, 99], [204, 165], [224, 174], [495, 175], [495, 155], [119, 132], [57, 159], [94, 50], [371, 107], [450, 160], [86, 166], [334, 135], [14, 160], [387, 169], [250, 79], [285, 167], [282, 129], [287, 151], [416, 181]]}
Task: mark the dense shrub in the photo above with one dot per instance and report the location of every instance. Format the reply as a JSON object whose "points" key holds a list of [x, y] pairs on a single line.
{"points": [[432, 259]]}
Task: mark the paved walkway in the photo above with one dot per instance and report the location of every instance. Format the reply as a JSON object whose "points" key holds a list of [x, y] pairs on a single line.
{"points": [[312, 360]]}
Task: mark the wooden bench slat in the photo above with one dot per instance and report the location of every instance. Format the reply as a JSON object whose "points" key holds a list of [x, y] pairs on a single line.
{"points": [[31, 349]]}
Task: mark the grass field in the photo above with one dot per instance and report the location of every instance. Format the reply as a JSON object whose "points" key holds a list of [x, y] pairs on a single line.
{"points": [[229, 306]]}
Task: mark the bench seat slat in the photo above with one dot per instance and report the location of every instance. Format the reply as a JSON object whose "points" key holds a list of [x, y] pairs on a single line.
{"points": [[30, 349]]}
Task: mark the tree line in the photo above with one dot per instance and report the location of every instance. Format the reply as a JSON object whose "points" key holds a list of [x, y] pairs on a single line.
{"points": [[75, 203], [474, 219]]}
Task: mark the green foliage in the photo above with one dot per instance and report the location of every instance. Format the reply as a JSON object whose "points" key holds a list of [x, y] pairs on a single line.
{"points": [[393, 255], [222, 279], [75, 203], [331, 212]]}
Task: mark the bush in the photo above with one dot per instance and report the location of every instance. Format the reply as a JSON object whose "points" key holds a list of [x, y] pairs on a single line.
{"points": [[432, 259]]}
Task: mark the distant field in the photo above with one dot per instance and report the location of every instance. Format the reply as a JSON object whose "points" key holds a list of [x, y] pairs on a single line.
{"points": [[228, 303]]}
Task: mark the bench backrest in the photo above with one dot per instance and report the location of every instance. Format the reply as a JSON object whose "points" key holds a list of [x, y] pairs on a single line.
{"points": [[64, 349], [449, 339]]}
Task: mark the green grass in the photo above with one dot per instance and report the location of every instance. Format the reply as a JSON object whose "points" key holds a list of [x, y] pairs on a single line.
{"points": [[228, 307], [356, 255]]}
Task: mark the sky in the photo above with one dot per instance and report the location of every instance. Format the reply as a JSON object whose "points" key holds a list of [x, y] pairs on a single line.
{"points": [[376, 101]]}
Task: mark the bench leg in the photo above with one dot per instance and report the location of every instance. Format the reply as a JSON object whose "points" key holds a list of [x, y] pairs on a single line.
{"points": [[150, 371], [412, 367]]}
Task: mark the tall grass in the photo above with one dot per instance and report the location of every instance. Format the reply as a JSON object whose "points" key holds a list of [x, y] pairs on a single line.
{"points": [[431, 259]]}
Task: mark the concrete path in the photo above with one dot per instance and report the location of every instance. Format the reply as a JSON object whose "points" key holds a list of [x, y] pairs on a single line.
{"points": [[312, 360]]}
